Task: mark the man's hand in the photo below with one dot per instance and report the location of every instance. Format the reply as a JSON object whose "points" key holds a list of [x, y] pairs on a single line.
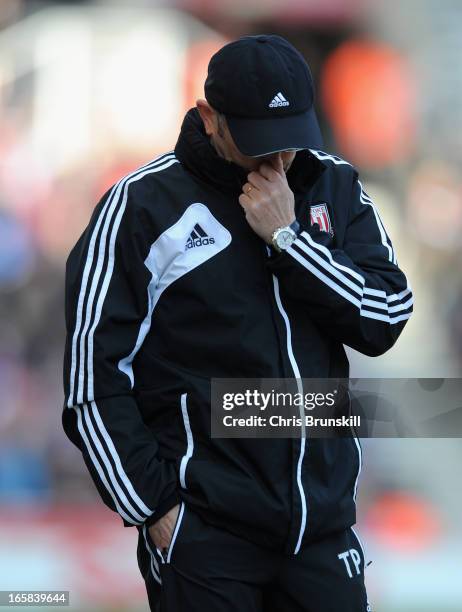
{"points": [[267, 199], [161, 532]]}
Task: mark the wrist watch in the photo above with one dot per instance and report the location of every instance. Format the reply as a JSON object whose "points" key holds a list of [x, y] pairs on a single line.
{"points": [[283, 237]]}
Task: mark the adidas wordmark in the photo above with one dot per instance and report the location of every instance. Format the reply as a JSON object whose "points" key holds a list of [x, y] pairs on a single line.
{"points": [[278, 100], [198, 237]]}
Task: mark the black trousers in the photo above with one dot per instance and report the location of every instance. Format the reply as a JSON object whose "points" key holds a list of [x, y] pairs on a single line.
{"points": [[209, 569]]}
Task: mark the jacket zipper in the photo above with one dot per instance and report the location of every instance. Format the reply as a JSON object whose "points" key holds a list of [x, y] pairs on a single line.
{"points": [[297, 376]]}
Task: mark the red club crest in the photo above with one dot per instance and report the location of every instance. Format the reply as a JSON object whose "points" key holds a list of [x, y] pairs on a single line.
{"points": [[319, 214]]}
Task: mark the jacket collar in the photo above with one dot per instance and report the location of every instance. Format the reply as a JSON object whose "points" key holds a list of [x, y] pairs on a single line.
{"points": [[198, 156]]}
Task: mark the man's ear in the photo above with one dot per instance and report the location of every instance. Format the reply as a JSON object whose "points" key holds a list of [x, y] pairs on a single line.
{"points": [[208, 116]]}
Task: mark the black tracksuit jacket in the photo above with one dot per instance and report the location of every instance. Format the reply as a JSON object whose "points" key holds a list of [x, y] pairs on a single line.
{"points": [[169, 287]]}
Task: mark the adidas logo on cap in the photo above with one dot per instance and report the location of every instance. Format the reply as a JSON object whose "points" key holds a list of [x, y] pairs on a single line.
{"points": [[198, 238], [278, 100]]}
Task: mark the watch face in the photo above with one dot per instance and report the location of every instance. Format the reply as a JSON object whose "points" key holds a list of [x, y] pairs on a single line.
{"points": [[284, 239]]}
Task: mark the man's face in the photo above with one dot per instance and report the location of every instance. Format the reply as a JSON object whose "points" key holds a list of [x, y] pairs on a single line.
{"points": [[220, 136]]}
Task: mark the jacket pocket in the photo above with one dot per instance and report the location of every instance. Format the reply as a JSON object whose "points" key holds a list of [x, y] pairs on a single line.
{"points": [[176, 530], [189, 440]]}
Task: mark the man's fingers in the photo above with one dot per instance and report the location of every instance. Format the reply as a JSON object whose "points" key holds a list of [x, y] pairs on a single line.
{"points": [[268, 172], [244, 201], [257, 181], [251, 187], [250, 190], [162, 530], [161, 537], [277, 164]]}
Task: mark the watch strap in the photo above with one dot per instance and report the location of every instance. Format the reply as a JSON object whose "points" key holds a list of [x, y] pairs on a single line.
{"points": [[295, 227]]}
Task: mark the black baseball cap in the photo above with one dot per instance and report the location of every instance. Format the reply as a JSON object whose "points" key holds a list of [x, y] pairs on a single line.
{"points": [[264, 87]]}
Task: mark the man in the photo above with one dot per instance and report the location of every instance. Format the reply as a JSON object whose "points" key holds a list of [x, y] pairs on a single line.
{"points": [[247, 252]]}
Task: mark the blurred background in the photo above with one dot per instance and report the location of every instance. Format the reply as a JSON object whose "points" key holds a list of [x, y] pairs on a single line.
{"points": [[89, 91]]}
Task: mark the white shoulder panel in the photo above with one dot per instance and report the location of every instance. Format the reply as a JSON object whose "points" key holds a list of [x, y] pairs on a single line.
{"points": [[194, 239]]}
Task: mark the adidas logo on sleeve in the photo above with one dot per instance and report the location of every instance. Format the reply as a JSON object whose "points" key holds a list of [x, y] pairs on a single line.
{"points": [[198, 237], [278, 100]]}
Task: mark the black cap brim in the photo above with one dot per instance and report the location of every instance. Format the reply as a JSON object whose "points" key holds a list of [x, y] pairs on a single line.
{"points": [[257, 137]]}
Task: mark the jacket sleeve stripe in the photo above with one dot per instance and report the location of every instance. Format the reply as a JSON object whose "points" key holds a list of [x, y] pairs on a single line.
{"points": [[391, 320], [136, 499], [390, 309], [104, 217], [85, 277], [108, 258], [310, 264], [327, 262], [365, 199], [327, 255], [83, 289], [331, 265], [325, 279], [95, 438], [378, 293], [99, 468], [388, 298], [110, 267]]}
